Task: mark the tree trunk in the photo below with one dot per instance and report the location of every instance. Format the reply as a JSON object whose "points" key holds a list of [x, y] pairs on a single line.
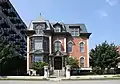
{"points": [[102, 71]]}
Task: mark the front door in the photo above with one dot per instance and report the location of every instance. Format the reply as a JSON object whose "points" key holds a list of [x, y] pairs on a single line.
{"points": [[58, 63]]}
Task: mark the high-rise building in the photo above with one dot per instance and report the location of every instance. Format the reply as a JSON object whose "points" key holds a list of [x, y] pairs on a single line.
{"points": [[12, 28]]}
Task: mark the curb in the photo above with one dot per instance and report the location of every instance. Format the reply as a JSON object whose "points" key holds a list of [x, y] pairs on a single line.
{"points": [[25, 79], [70, 79]]}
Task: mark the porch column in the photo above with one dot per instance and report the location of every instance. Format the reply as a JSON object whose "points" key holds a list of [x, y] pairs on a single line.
{"points": [[50, 62], [53, 63], [50, 49], [65, 44], [63, 62]]}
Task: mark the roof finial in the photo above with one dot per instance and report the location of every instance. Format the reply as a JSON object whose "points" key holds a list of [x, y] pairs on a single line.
{"points": [[40, 14]]}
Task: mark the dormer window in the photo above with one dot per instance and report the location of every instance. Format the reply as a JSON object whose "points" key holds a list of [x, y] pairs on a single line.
{"points": [[57, 29], [39, 27], [74, 30]]}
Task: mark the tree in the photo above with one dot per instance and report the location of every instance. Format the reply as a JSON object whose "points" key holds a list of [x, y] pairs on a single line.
{"points": [[104, 56], [38, 65], [73, 62], [11, 62]]}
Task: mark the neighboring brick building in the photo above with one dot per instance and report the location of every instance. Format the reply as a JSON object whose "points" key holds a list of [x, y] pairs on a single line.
{"points": [[53, 42]]}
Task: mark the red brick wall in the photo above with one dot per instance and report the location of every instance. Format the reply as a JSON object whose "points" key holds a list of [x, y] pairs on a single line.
{"points": [[76, 49]]}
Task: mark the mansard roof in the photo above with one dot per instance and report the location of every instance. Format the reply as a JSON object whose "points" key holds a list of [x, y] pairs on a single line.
{"points": [[82, 27], [65, 27]]}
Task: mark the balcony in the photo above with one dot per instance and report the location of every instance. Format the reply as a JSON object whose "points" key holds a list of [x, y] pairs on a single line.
{"points": [[9, 12], [22, 46], [12, 13], [12, 31], [22, 40], [17, 49], [3, 24], [17, 37], [5, 11], [18, 26], [25, 54], [11, 39], [23, 32], [6, 33], [17, 43], [13, 20], [25, 44], [0, 18], [25, 48], [22, 52], [5, 4], [18, 20], [0, 31]]}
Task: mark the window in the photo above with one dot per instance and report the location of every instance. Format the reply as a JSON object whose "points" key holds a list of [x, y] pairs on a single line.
{"points": [[57, 45], [39, 28], [38, 44], [38, 58], [32, 44], [42, 26], [45, 45], [70, 47], [82, 62], [37, 31], [81, 47], [74, 31], [57, 29]]}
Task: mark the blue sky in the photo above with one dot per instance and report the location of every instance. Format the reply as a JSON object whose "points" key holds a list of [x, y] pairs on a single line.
{"points": [[101, 17]]}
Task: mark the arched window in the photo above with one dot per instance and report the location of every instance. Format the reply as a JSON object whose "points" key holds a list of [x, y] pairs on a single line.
{"points": [[81, 47], [57, 46], [82, 62], [70, 47]]}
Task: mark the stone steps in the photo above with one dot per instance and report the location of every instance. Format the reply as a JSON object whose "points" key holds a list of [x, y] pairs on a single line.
{"points": [[58, 73]]}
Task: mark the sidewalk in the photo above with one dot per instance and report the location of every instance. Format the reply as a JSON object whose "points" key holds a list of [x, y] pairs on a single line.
{"points": [[93, 77], [88, 77], [22, 78]]}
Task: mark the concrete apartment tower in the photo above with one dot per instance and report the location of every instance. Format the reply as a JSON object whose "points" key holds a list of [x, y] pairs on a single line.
{"points": [[12, 28]]}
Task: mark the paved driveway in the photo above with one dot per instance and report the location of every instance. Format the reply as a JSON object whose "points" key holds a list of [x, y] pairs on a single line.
{"points": [[62, 82]]}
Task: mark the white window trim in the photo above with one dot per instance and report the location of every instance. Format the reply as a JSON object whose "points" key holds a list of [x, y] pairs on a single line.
{"points": [[84, 45], [70, 42], [37, 42], [57, 40], [81, 42], [80, 58], [72, 46]]}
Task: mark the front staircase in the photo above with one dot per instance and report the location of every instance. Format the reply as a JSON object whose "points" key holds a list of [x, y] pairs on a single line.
{"points": [[58, 73]]}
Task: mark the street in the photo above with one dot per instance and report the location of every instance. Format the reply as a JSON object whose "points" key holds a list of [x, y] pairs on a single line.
{"points": [[62, 82]]}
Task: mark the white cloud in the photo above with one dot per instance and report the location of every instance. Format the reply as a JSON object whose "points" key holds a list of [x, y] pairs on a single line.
{"points": [[112, 2], [103, 13]]}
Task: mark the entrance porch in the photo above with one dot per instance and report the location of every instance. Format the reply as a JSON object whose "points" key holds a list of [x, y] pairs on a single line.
{"points": [[57, 61]]}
